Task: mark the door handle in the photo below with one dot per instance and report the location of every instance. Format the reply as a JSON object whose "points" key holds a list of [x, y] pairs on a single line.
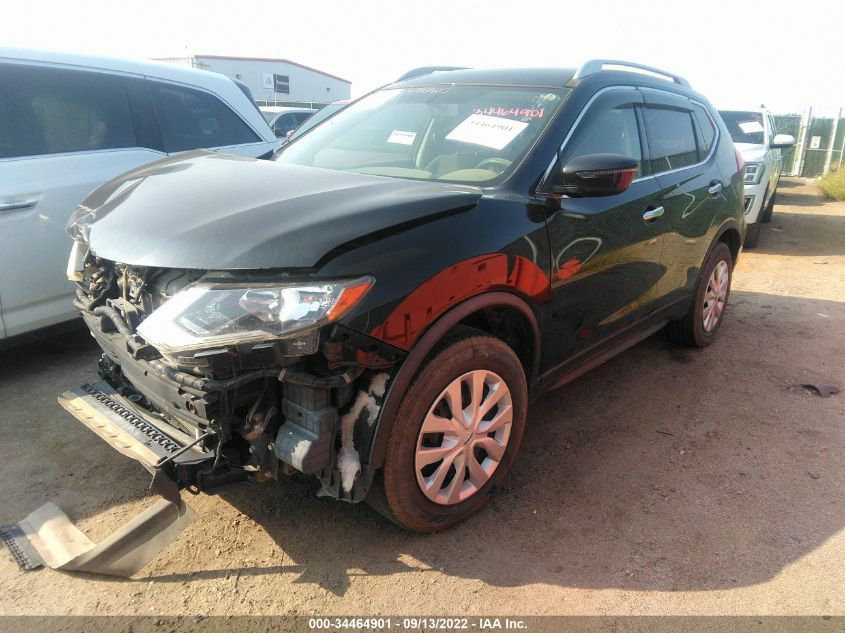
{"points": [[715, 189], [652, 214], [17, 206]]}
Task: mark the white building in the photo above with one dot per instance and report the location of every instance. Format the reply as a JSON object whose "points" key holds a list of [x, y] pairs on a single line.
{"points": [[273, 81]]}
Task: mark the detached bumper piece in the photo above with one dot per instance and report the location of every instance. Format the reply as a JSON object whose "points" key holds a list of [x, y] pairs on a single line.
{"points": [[47, 536]]}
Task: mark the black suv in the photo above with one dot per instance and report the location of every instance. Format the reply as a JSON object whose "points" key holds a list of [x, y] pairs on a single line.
{"points": [[377, 304]]}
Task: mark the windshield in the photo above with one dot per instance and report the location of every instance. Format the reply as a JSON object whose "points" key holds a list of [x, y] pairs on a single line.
{"points": [[744, 127], [268, 116], [468, 134]]}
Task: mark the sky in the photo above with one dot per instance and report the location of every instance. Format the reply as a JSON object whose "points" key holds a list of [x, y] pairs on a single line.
{"points": [[736, 53]]}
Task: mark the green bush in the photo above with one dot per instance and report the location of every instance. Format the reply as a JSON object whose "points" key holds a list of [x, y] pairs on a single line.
{"points": [[833, 184]]}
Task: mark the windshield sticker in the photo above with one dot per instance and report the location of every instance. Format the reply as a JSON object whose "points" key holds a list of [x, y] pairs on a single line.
{"points": [[749, 127], [531, 113], [402, 137], [489, 131]]}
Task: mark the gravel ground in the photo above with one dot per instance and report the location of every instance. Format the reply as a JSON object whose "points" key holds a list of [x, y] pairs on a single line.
{"points": [[667, 481]]}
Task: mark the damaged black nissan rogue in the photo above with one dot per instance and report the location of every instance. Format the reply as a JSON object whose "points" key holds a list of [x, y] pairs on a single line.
{"points": [[378, 303]]}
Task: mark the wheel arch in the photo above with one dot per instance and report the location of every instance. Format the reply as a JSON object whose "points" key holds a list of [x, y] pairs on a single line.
{"points": [[496, 313], [730, 234]]}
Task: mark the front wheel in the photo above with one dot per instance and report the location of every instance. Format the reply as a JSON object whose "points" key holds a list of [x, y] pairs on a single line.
{"points": [[752, 235], [701, 324], [769, 210], [457, 431]]}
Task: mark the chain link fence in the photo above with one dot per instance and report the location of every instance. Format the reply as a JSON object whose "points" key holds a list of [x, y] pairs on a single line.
{"points": [[819, 143]]}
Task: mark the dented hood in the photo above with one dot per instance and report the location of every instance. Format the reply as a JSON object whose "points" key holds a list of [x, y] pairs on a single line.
{"points": [[204, 210]]}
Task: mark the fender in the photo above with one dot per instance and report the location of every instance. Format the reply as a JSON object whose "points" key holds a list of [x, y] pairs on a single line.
{"points": [[402, 379], [724, 228]]}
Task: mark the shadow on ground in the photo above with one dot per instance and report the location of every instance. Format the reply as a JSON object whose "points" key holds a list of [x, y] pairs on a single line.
{"points": [[793, 231], [665, 469]]}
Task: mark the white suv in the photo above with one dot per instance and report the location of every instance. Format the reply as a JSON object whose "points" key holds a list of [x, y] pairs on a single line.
{"points": [[756, 138], [68, 123]]}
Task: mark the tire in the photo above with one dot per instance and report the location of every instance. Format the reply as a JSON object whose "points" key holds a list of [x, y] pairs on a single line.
{"points": [[693, 330], [766, 216], [398, 492], [752, 235]]}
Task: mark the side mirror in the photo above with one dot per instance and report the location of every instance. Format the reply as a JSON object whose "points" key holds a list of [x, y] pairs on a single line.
{"points": [[782, 141], [597, 175]]}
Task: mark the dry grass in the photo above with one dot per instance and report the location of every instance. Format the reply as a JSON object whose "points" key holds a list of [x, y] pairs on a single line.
{"points": [[833, 184]]}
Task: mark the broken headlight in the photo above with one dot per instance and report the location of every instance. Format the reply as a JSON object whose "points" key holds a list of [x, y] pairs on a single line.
{"points": [[203, 316]]}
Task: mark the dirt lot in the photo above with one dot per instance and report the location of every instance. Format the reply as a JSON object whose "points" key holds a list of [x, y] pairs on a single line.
{"points": [[666, 481]]}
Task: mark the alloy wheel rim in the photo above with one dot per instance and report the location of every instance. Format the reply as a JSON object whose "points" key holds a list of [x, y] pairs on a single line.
{"points": [[715, 296], [463, 437]]}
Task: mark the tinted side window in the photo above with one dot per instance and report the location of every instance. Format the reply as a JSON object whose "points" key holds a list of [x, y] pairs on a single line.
{"points": [[54, 111], [284, 124], [706, 128], [671, 138], [192, 119], [604, 131]]}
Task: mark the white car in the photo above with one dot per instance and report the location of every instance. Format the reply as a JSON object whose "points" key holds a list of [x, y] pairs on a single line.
{"points": [[283, 119], [755, 136], [68, 123]]}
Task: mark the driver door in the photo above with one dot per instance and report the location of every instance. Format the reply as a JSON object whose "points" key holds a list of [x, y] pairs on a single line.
{"points": [[605, 250]]}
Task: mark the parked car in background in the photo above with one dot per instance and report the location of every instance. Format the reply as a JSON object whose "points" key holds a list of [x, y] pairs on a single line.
{"points": [[377, 305], [755, 135], [283, 120], [319, 116], [68, 123]]}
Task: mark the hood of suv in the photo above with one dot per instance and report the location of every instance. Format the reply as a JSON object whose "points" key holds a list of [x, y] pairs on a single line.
{"points": [[204, 210], [752, 152]]}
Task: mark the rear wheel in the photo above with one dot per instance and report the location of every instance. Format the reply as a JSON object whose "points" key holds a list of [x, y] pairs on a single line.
{"points": [[457, 431], [701, 324]]}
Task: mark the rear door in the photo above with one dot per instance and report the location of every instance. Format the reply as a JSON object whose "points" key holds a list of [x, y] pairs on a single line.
{"points": [[776, 155], [62, 133], [605, 256], [682, 138]]}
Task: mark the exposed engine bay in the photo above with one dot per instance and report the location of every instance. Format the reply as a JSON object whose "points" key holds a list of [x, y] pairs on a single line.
{"points": [[261, 409]]}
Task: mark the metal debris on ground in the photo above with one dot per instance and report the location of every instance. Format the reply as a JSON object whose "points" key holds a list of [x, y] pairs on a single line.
{"points": [[825, 390]]}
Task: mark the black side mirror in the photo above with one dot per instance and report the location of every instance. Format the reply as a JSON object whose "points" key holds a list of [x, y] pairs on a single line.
{"points": [[597, 175]]}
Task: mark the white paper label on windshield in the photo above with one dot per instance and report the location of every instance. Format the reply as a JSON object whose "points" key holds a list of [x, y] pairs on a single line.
{"points": [[402, 137], [489, 131], [749, 127]]}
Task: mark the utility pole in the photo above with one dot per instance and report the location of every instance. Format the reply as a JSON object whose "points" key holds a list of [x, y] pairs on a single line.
{"points": [[798, 165], [830, 144], [842, 153]]}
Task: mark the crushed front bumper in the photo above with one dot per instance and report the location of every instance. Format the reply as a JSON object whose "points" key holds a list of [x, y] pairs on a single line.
{"points": [[47, 536]]}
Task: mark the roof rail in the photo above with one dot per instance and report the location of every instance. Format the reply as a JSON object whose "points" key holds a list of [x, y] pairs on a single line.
{"points": [[427, 70], [597, 65]]}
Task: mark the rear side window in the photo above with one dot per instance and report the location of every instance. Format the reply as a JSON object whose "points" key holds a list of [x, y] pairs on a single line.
{"points": [[671, 138], [56, 111], [193, 119], [706, 129], [287, 122]]}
